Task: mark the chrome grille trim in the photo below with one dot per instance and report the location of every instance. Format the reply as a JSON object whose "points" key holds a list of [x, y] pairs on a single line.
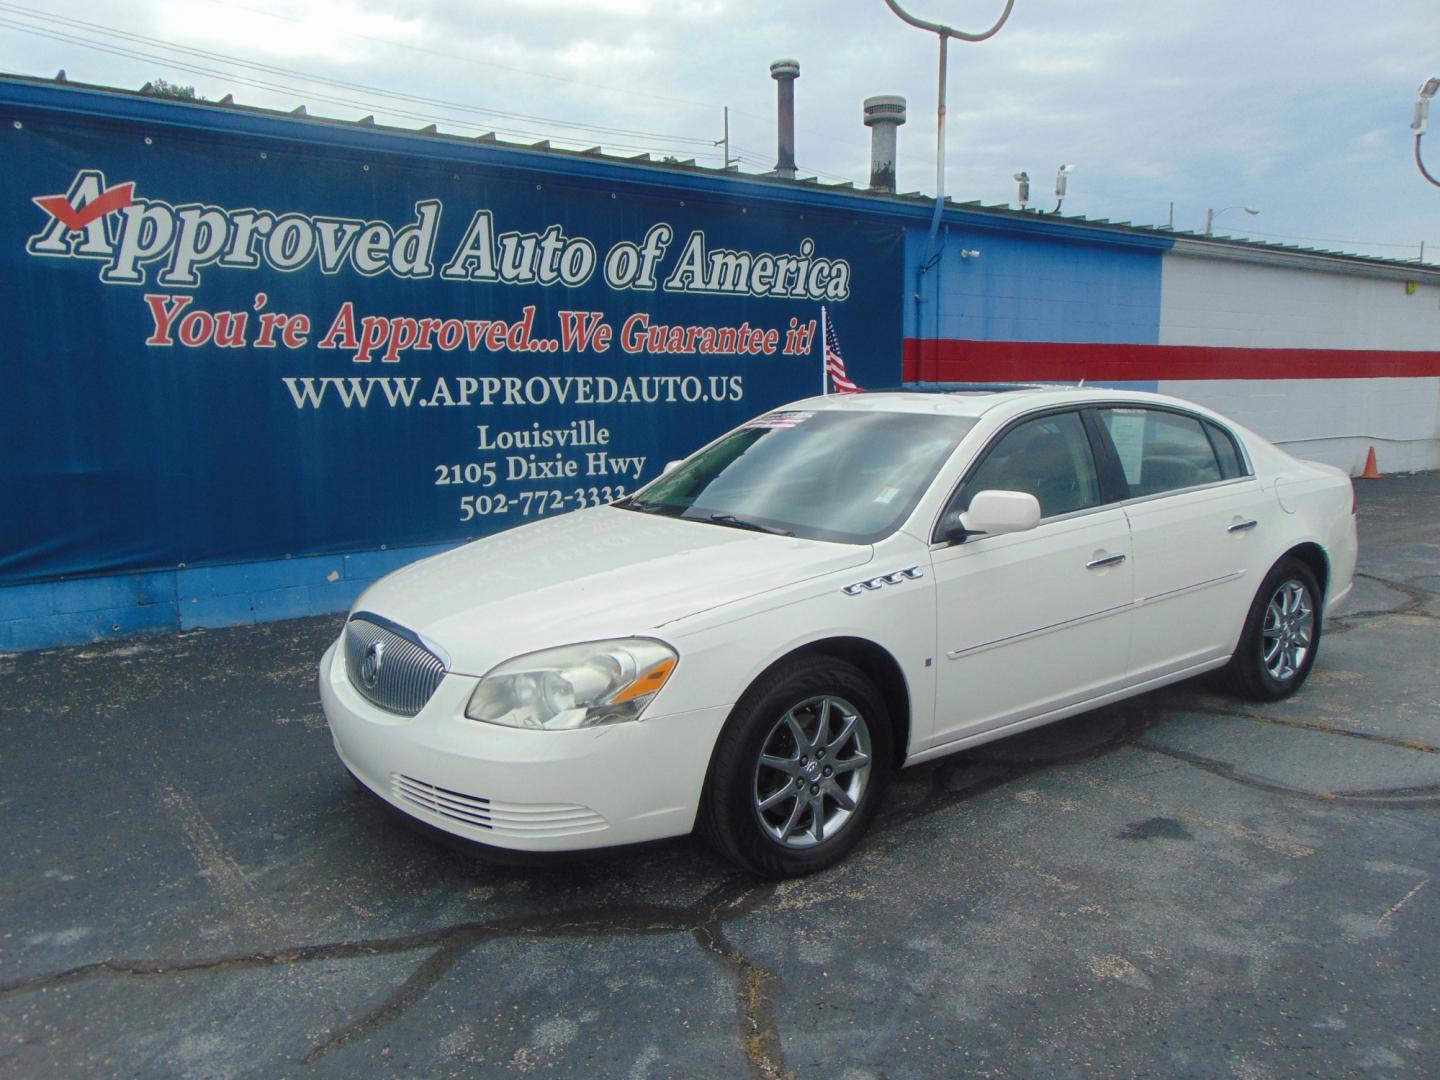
{"points": [[515, 819], [409, 671]]}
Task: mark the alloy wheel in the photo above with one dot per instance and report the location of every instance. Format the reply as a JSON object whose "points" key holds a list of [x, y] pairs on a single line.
{"points": [[812, 772], [1289, 629]]}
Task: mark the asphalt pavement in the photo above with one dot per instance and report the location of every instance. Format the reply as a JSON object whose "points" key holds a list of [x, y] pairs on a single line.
{"points": [[1182, 885]]}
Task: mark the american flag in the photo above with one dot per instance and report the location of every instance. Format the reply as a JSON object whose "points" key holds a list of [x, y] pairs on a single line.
{"points": [[834, 362]]}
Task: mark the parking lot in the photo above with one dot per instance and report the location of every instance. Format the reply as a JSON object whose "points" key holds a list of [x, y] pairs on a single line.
{"points": [[1182, 885]]}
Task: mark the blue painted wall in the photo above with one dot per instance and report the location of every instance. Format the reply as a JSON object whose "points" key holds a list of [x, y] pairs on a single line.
{"points": [[82, 580], [69, 612], [1029, 287]]}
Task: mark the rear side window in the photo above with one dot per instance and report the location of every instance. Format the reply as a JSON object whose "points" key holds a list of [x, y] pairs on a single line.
{"points": [[1162, 451], [1231, 464], [1049, 457]]}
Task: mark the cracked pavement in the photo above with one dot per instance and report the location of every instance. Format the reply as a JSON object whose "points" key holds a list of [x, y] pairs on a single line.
{"points": [[1181, 885]]}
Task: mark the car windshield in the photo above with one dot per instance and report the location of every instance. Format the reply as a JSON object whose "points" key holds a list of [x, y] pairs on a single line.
{"points": [[841, 475]]}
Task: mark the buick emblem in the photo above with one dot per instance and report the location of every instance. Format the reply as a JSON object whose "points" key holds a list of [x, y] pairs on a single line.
{"points": [[370, 665]]}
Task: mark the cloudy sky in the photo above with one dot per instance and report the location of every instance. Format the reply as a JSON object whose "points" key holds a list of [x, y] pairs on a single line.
{"points": [[1298, 107]]}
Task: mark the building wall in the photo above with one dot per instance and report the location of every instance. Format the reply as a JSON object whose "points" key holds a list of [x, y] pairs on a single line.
{"points": [[156, 477], [1326, 358], [115, 454], [1023, 287], [1364, 370]]}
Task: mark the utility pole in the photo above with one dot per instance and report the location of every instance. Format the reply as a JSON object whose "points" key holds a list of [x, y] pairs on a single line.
{"points": [[724, 141]]}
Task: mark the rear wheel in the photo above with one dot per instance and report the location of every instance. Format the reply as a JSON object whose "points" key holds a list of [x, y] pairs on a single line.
{"points": [[799, 769], [1281, 635]]}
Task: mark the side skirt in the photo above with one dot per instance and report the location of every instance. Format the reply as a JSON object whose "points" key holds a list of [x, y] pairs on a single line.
{"points": [[1060, 714]]}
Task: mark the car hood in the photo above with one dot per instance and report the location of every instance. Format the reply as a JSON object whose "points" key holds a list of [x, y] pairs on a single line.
{"points": [[588, 575]]}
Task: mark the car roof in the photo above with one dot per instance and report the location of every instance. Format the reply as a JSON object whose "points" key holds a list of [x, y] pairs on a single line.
{"points": [[975, 400]]}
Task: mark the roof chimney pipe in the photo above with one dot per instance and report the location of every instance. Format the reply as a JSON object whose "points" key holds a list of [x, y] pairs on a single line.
{"points": [[785, 72], [883, 116]]}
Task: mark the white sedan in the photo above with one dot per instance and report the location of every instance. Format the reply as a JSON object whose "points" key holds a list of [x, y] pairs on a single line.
{"points": [[753, 643]]}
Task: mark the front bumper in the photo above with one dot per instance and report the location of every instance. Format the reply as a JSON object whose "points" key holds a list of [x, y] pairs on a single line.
{"points": [[520, 789]]}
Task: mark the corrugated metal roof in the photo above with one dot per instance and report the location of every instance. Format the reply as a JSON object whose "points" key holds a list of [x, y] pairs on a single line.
{"points": [[1187, 241]]}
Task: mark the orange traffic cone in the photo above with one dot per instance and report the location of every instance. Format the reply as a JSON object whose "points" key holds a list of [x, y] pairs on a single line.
{"points": [[1371, 472]]}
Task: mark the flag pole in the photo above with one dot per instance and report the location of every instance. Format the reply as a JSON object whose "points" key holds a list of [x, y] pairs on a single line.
{"points": [[824, 382]]}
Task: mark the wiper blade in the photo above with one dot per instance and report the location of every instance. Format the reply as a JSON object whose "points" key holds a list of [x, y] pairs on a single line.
{"points": [[740, 523], [629, 502]]}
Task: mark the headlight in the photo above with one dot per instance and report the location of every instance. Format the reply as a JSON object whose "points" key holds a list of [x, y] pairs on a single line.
{"points": [[574, 686]]}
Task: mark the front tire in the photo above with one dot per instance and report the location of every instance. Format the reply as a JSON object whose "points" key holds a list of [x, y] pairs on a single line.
{"points": [[1281, 635], [799, 769]]}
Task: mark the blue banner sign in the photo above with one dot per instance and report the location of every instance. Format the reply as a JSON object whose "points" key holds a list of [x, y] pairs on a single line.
{"points": [[225, 345]]}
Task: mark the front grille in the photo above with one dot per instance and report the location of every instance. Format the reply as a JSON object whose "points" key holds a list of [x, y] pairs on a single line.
{"points": [[389, 668], [513, 819]]}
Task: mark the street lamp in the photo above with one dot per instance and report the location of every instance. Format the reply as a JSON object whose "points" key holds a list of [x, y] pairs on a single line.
{"points": [[1065, 171], [944, 33], [1419, 120], [1211, 215], [1023, 179]]}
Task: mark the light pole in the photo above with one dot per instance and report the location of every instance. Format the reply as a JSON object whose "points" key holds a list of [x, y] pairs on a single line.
{"points": [[1418, 123], [944, 33], [1211, 215]]}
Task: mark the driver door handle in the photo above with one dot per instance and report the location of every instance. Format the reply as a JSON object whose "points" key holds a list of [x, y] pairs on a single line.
{"points": [[1108, 560], [1241, 526]]}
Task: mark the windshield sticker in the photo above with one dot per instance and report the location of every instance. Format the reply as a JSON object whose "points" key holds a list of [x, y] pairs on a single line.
{"points": [[1127, 432], [779, 420], [887, 494]]}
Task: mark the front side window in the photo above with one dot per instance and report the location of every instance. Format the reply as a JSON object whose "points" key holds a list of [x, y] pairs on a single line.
{"points": [[834, 474], [1160, 451], [1049, 457]]}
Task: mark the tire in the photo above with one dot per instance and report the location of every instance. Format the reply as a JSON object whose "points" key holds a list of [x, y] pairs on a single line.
{"points": [[1281, 635], [773, 804]]}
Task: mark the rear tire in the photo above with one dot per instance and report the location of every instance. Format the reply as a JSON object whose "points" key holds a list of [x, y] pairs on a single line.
{"points": [[1281, 635], [799, 770]]}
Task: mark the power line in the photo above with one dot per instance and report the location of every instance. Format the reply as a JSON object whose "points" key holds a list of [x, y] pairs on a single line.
{"points": [[315, 95], [362, 87], [703, 147], [491, 65], [1332, 239]]}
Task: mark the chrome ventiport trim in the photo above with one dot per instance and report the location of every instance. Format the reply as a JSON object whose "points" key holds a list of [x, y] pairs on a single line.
{"points": [[895, 577]]}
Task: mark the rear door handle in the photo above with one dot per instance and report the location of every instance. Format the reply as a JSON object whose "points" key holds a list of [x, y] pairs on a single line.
{"points": [[1241, 526], [1108, 560]]}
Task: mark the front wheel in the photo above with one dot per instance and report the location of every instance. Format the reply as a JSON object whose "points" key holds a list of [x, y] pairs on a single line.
{"points": [[799, 769], [1281, 635]]}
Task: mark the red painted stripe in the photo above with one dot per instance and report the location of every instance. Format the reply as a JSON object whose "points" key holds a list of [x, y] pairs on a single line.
{"points": [[951, 360]]}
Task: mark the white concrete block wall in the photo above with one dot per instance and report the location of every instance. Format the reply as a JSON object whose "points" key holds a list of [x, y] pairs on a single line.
{"points": [[1332, 410]]}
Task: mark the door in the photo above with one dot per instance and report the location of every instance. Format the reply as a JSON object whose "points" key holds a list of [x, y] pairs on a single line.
{"points": [[1033, 621], [1198, 521]]}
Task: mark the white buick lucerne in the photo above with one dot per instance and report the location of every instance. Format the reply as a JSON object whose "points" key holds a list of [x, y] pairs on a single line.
{"points": [[754, 642]]}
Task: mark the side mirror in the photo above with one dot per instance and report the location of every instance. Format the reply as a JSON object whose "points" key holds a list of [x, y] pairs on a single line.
{"points": [[669, 465], [996, 512]]}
